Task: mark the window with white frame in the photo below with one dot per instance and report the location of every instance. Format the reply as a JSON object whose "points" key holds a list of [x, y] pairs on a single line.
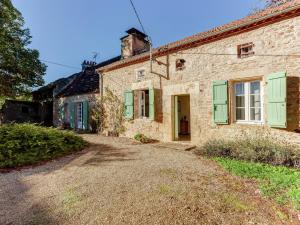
{"points": [[144, 104], [248, 101], [79, 115]]}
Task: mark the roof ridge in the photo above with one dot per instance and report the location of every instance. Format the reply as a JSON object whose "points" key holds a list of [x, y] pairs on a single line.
{"points": [[268, 12], [247, 20]]}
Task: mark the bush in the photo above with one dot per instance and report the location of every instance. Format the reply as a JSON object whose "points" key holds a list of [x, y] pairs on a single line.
{"points": [[259, 149], [26, 144], [142, 138]]}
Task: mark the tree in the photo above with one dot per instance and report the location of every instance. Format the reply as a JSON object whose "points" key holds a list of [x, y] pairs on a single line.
{"points": [[267, 4], [273, 3], [20, 67]]}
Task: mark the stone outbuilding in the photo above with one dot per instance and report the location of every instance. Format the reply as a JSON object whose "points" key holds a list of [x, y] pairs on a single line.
{"points": [[236, 79], [73, 103]]}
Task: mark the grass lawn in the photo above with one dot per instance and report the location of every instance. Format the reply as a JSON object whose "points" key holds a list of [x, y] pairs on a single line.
{"points": [[275, 182]]}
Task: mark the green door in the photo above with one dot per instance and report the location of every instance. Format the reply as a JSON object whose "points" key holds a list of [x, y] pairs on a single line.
{"points": [[85, 115], [72, 114]]}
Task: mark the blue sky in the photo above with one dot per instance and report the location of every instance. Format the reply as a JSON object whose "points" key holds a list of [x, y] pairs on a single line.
{"points": [[69, 31]]}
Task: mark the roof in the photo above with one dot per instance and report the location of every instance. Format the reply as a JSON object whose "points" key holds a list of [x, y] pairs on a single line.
{"points": [[108, 62], [60, 83], [254, 21], [86, 81], [48, 91], [24, 102]]}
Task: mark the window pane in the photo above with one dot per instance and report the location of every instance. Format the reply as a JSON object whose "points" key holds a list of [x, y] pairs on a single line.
{"points": [[255, 114], [255, 101], [255, 88], [240, 114], [239, 89], [240, 101]]}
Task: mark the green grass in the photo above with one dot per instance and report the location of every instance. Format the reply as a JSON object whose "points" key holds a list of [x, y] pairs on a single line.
{"points": [[27, 144], [165, 189], [275, 182], [235, 203]]}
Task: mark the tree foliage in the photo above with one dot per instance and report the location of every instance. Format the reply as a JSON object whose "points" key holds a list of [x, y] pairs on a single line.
{"points": [[20, 67], [273, 3], [108, 114]]}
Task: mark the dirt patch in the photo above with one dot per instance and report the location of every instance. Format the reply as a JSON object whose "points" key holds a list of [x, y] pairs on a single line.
{"points": [[118, 182]]}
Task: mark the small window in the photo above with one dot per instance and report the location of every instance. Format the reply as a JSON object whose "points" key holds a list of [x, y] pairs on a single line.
{"points": [[25, 110], [144, 104], [248, 101], [180, 64], [140, 74], [245, 50]]}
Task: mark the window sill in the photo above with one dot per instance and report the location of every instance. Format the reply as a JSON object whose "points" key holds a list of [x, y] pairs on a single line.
{"points": [[143, 119], [250, 123]]}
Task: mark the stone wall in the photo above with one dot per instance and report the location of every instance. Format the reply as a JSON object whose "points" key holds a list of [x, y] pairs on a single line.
{"points": [[58, 102], [201, 69]]}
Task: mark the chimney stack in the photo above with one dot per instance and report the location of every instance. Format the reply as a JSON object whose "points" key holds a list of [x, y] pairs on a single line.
{"points": [[87, 64], [134, 43]]}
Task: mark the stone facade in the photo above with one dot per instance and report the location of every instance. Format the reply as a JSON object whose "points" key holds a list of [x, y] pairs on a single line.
{"points": [[278, 39], [59, 102]]}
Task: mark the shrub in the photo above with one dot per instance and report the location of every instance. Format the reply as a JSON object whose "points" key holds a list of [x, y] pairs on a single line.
{"points": [[25, 144], [258, 149], [142, 138]]}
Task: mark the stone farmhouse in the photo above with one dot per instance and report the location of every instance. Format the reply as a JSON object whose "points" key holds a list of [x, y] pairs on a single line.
{"points": [[239, 78]]}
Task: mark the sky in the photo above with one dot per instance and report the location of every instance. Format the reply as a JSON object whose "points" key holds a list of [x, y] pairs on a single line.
{"points": [[69, 31]]}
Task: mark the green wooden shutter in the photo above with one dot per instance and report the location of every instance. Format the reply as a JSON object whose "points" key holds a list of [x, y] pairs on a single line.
{"points": [[72, 115], [151, 104], [220, 102], [277, 91], [62, 113], [85, 115], [128, 99]]}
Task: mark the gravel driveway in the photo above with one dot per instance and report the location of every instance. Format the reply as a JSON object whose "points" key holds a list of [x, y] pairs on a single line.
{"points": [[116, 181]]}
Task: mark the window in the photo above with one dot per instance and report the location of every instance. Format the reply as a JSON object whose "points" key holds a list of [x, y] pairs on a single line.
{"points": [[248, 101], [180, 64], [140, 74], [245, 50], [79, 115], [144, 104]]}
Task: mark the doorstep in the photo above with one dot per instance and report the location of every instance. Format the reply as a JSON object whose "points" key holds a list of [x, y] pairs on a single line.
{"points": [[180, 146]]}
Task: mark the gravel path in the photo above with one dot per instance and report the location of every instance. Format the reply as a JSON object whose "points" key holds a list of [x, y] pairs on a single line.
{"points": [[118, 182]]}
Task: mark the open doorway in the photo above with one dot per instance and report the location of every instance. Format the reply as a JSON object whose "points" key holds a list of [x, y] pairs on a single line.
{"points": [[182, 118]]}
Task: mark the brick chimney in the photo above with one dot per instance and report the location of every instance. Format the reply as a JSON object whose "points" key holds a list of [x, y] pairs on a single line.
{"points": [[134, 43]]}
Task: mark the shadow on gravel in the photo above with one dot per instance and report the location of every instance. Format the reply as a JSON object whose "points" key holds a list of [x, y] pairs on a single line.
{"points": [[107, 153], [18, 207], [14, 210]]}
